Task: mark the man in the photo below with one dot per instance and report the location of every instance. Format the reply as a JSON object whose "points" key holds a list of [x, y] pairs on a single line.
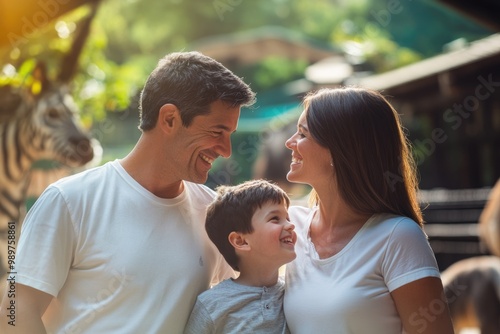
{"points": [[122, 247]]}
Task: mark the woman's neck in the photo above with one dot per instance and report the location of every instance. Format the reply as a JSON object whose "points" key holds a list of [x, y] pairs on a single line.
{"points": [[334, 225]]}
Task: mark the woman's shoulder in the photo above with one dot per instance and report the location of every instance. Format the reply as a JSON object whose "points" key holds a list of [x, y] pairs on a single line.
{"points": [[391, 219], [300, 215], [299, 210], [400, 226]]}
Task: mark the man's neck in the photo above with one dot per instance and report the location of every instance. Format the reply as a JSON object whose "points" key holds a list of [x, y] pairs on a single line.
{"points": [[145, 167]]}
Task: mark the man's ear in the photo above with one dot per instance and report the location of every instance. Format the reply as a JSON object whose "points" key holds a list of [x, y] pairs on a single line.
{"points": [[169, 118], [238, 241]]}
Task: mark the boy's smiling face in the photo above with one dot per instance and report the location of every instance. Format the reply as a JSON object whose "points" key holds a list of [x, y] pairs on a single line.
{"points": [[273, 240]]}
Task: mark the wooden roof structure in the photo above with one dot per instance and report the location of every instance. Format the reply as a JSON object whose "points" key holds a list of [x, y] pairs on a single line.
{"points": [[250, 46], [439, 70], [485, 12]]}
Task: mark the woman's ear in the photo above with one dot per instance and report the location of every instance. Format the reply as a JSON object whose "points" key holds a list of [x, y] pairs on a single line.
{"points": [[238, 241], [168, 118]]}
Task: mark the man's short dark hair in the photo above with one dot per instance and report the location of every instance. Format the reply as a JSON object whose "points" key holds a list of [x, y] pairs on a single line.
{"points": [[191, 81]]}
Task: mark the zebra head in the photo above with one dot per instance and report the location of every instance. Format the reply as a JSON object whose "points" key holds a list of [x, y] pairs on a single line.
{"points": [[53, 124], [56, 131], [36, 126]]}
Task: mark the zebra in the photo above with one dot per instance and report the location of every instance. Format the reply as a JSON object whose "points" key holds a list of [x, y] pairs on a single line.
{"points": [[34, 127]]}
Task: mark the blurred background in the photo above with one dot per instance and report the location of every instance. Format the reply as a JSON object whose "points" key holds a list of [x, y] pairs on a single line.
{"points": [[437, 61]]}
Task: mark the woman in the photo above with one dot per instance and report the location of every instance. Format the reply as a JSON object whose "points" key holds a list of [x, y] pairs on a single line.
{"points": [[363, 263]]}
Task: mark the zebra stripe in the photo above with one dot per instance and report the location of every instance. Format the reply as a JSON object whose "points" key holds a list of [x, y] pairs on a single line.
{"points": [[14, 203], [43, 127], [16, 157]]}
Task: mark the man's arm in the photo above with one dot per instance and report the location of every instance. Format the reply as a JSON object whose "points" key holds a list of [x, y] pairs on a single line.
{"points": [[26, 316]]}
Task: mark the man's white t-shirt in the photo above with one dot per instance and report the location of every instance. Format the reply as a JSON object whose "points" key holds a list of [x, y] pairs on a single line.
{"points": [[350, 291], [117, 258]]}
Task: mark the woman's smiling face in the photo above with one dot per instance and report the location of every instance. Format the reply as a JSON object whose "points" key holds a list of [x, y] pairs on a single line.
{"points": [[311, 162]]}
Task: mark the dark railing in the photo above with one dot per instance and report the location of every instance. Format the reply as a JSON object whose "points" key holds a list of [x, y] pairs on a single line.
{"points": [[452, 218]]}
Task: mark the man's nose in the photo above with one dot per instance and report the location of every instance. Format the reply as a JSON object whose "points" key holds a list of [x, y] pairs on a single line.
{"points": [[225, 147]]}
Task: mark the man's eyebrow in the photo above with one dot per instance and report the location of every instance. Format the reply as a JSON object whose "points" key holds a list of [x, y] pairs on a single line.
{"points": [[223, 127]]}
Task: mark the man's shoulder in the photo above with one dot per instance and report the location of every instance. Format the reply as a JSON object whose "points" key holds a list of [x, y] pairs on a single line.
{"points": [[200, 191], [84, 183], [84, 177]]}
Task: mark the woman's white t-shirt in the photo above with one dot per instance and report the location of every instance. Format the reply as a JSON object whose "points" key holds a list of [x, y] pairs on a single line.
{"points": [[350, 291]]}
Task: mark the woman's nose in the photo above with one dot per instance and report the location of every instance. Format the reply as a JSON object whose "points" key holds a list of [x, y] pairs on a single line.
{"points": [[289, 142]]}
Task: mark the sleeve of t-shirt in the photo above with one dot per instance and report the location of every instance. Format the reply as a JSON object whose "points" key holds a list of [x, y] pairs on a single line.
{"points": [[199, 321], [408, 256], [46, 245], [203, 196]]}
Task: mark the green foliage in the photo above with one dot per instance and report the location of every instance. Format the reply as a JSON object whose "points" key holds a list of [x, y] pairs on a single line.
{"points": [[382, 53], [274, 71], [128, 37]]}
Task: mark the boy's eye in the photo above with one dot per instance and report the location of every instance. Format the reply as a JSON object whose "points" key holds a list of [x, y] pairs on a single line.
{"points": [[275, 219]]}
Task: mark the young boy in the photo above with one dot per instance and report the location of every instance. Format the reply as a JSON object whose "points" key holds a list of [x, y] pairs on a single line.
{"points": [[249, 224]]}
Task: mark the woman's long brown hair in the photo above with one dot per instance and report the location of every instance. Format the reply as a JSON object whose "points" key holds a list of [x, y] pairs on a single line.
{"points": [[372, 161]]}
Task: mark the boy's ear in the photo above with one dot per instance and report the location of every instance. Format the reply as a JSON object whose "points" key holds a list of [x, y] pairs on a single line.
{"points": [[169, 118], [238, 241]]}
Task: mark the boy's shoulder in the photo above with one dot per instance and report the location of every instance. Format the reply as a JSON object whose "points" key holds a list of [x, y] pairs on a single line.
{"points": [[218, 293], [225, 286], [229, 287]]}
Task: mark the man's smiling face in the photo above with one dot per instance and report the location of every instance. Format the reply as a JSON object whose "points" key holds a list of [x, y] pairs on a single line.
{"points": [[206, 138]]}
